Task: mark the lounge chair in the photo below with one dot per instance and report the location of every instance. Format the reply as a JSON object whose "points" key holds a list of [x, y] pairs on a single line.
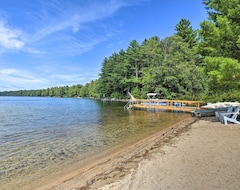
{"points": [[232, 116], [219, 114]]}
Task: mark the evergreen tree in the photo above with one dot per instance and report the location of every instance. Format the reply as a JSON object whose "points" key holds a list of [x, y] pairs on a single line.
{"points": [[185, 30], [220, 35], [220, 44]]}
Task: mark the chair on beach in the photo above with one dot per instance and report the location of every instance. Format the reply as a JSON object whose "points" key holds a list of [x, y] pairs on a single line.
{"points": [[232, 116], [219, 114]]}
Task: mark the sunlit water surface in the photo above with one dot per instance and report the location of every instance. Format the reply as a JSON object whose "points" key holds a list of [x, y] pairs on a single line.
{"points": [[39, 135]]}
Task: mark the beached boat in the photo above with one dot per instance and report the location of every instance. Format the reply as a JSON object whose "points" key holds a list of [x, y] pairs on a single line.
{"points": [[210, 109], [207, 112], [220, 105]]}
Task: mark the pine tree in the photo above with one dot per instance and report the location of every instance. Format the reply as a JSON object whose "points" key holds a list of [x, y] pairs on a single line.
{"points": [[185, 30]]}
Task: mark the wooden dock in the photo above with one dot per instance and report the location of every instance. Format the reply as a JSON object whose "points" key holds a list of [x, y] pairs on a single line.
{"points": [[165, 105]]}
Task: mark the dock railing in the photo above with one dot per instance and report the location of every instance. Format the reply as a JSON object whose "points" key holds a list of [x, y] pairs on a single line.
{"points": [[168, 105]]}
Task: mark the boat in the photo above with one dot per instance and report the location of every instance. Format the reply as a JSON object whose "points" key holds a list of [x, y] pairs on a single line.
{"points": [[210, 109], [207, 112]]}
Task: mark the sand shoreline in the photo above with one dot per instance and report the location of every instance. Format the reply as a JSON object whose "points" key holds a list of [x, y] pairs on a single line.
{"points": [[114, 164], [207, 156], [192, 154]]}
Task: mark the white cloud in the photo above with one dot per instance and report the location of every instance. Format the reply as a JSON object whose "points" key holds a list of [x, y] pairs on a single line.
{"points": [[75, 27], [11, 77], [45, 21], [10, 38], [8, 71], [75, 18]]}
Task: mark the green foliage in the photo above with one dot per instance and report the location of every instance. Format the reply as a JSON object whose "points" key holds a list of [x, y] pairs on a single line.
{"points": [[64, 91], [221, 33], [220, 45], [223, 74], [185, 30], [168, 67]]}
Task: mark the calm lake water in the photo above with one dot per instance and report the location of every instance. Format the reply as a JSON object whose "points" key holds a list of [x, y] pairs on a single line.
{"points": [[39, 135]]}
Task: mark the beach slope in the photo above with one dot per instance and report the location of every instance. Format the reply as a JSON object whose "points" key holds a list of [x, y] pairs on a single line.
{"points": [[207, 156], [192, 154]]}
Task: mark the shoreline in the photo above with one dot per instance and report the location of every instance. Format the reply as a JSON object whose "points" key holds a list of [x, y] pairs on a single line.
{"points": [[204, 157], [113, 164], [191, 154]]}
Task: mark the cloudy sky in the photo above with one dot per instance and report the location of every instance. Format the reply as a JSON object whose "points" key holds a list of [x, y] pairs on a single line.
{"points": [[48, 43]]}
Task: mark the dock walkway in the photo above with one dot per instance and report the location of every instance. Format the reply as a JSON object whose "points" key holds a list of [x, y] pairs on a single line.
{"points": [[166, 105]]}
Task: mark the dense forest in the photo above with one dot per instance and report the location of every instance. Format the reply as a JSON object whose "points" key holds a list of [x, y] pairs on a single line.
{"points": [[195, 65]]}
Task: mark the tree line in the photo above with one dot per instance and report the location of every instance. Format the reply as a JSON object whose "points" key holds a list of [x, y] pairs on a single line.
{"points": [[190, 64]]}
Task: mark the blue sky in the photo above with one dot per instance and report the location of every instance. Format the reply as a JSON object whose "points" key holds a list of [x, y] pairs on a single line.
{"points": [[48, 43]]}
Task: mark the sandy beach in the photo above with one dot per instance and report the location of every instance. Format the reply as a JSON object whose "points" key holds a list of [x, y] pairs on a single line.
{"points": [[192, 154]]}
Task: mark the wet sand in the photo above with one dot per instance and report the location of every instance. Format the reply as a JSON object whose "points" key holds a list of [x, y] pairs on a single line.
{"points": [[192, 154]]}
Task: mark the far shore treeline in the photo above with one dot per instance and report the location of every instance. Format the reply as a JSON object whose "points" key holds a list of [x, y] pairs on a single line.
{"points": [[194, 65]]}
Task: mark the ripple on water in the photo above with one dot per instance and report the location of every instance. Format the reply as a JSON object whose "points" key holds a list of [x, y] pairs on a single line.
{"points": [[40, 135]]}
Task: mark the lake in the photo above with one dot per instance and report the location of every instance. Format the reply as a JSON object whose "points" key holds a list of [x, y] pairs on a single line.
{"points": [[39, 136]]}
